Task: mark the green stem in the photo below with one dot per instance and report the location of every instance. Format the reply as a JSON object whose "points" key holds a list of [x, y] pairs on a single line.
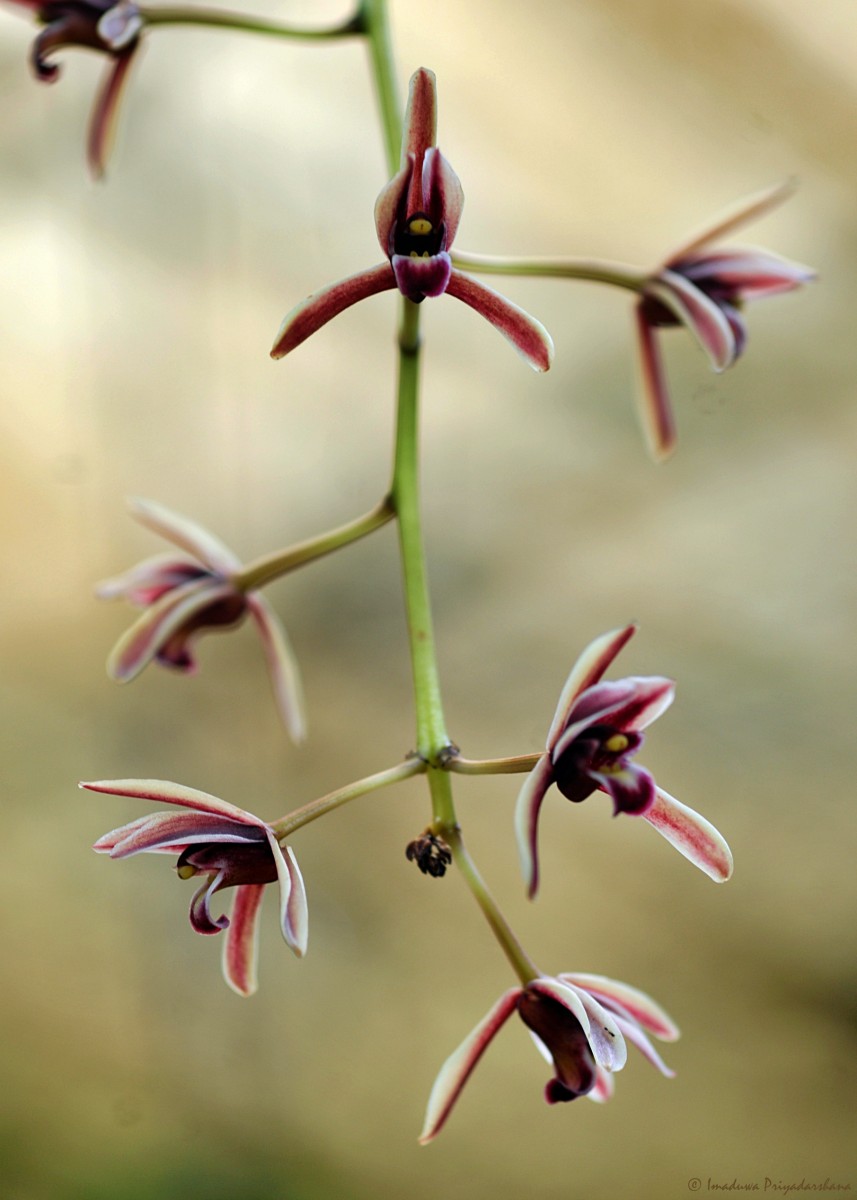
{"points": [[375, 22], [492, 766], [287, 825], [217, 19], [615, 274], [520, 961], [272, 566]]}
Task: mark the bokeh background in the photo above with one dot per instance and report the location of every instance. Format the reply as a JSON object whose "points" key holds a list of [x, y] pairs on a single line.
{"points": [[135, 320]]}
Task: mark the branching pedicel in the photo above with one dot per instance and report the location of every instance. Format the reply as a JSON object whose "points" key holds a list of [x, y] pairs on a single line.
{"points": [[580, 1022]]}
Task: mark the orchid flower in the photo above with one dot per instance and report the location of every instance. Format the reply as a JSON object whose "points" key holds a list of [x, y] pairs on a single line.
{"points": [[183, 595], [416, 219], [705, 289], [103, 25], [229, 848], [580, 1023], [596, 730]]}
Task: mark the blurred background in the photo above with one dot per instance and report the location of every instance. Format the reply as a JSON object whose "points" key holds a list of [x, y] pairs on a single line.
{"points": [[135, 322]]}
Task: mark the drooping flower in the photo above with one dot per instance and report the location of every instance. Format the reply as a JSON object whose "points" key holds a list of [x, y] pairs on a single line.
{"points": [[596, 730], [580, 1024], [705, 289], [416, 219], [185, 595], [106, 26], [229, 848]]}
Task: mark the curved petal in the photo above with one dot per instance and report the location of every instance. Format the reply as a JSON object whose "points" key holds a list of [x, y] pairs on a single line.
{"points": [[692, 836], [159, 622], [242, 939], [632, 789], [588, 670], [186, 534], [173, 828], [654, 408], [527, 335], [693, 309], [629, 705], [165, 792], [200, 912], [391, 199], [627, 1001], [102, 123], [444, 195], [605, 1035], [146, 582], [754, 274], [461, 1063], [293, 905], [417, 278], [603, 1088], [751, 208], [639, 1039], [527, 809], [322, 306], [282, 666]]}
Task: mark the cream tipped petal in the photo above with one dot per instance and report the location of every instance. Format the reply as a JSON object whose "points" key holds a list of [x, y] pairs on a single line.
{"points": [[751, 208], [166, 792], [171, 829], [157, 624], [654, 407], [461, 1063], [630, 1001], [185, 533], [637, 1038], [322, 306], [526, 334], [160, 573], [242, 938], [588, 670], [293, 902], [692, 836], [693, 309], [282, 666]]}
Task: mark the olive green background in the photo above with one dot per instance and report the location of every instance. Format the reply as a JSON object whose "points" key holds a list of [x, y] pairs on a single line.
{"points": [[135, 322]]}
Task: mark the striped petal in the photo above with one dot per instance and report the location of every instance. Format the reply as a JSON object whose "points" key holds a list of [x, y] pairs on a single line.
{"points": [[692, 836], [146, 582], [282, 666], [162, 791], [186, 534], [654, 408], [754, 274], [635, 1035], [751, 208], [603, 1088], [322, 306], [627, 1001], [603, 1033], [293, 904], [461, 1063], [588, 670], [527, 335], [420, 124], [527, 810], [172, 828], [242, 938], [629, 705], [159, 622], [693, 309], [444, 195]]}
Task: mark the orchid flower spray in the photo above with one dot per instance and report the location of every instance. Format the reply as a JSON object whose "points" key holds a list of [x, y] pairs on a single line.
{"points": [[595, 751]]}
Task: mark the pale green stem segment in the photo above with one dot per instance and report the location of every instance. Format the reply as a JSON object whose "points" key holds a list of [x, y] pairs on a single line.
{"points": [[272, 566], [217, 19], [615, 274], [375, 23], [520, 961], [493, 766], [287, 825]]}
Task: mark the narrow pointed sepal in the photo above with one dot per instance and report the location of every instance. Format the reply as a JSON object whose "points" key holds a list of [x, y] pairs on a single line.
{"points": [[242, 937], [654, 407], [527, 810], [461, 1063], [698, 313], [102, 123], [282, 666], [294, 921], [163, 791], [185, 533], [526, 334], [592, 664], [692, 836], [322, 306]]}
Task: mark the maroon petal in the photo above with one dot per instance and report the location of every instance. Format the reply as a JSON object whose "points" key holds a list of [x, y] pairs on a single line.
{"points": [[698, 313], [173, 828], [632, 789], [527, 335], [200, 912], [102, 124], [461, 1063], [417, 278], [240, 944], [656, 415], [444, 195], [627, 705], [527, 810], [145, 583], [752, 274], [391, 200], [420, 125], [324, 305], [595, 660]]}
